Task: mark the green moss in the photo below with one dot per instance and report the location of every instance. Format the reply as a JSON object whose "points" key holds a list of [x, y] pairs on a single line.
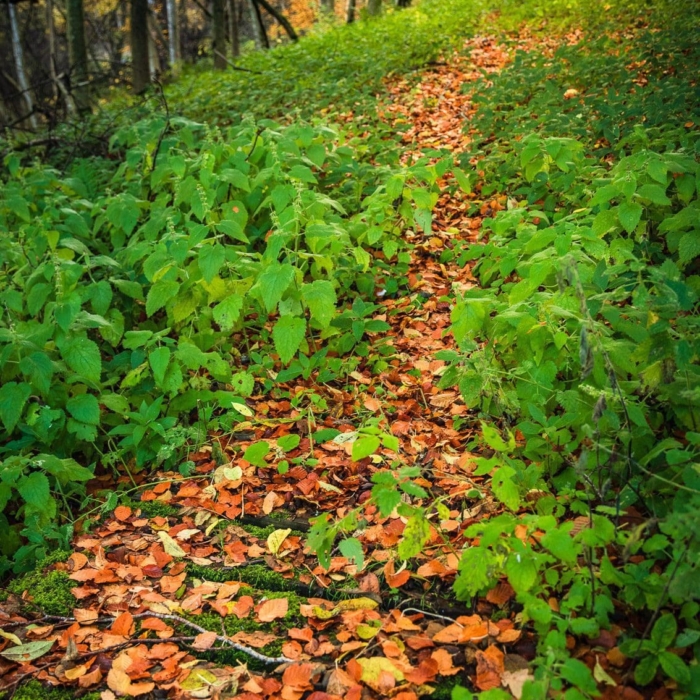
{"points": [[153, 509], [443, 690], [49, 590], [256, 575], [36, 691]]}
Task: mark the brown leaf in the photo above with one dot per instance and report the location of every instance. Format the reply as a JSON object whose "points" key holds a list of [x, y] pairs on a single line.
{"points": [[121, 684], [204, 641], [395, 580], [85, 616], [489, 668], [273, 609], [122, 513], [123, 625]]}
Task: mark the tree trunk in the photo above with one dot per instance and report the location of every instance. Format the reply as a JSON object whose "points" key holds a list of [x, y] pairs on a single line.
{"points": [[280, 18], [18, 55], [328, 6], [374, 7], [77, 52], [233, 29], [350, 12], [218, 33], [140, 71], [153, 33], [173, 43], [259, 32]]}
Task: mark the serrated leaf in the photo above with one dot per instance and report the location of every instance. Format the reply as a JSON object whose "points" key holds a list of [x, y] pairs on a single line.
{"points": [[273, 282], [321, 299], [160, 294], [83, 357], [287, 335], [159, 358], [276, 538], [415, 535], [228, 312], [84, 408], [210, 260], [13, 396], [364, 447], [689, 247], [629, 214], [34, 489], [352, 549]]}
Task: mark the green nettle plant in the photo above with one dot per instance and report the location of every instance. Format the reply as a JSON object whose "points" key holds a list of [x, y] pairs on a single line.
{"points": [[127, 292]]}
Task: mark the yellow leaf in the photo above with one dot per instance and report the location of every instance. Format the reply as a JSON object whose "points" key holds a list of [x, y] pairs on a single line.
{"points": [[276, 538], [372, 668], [357, 604], [323, 614], [12, 637], [170, 546], [365, 631], [198, 678]]}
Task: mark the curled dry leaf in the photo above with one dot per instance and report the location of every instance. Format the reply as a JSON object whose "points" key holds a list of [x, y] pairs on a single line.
{"points": [[273, 609]]}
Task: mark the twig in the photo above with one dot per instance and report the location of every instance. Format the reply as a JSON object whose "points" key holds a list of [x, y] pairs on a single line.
{"points": [[235, 67], [444, 618]]}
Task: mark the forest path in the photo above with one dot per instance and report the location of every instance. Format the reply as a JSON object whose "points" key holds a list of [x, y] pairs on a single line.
{"points": [[169, 592]]}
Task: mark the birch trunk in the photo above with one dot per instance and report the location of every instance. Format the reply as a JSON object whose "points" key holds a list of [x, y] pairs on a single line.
{"points": [[18, 55], [350, 12], [173, 43]]}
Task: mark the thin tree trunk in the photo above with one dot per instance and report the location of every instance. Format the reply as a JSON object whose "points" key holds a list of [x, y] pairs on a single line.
{"points": [[328, 6], [374, 7], [350, 12], [233, 29], [182, 27], [140, 71], [77, 52], [173, 52], [18, 55], [218, 31], [153, 32], [280, 18], [258, 27]]}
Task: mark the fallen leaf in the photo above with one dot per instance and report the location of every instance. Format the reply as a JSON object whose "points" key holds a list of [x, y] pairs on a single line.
{"points": [[122, 513], [204, 640], [27, 652], [489, 668], [123, 625], [273, 609], [276, 538], [170, 546], [121, 684]]}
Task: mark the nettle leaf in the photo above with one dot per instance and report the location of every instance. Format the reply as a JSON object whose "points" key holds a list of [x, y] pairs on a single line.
{"points": [[352, 549], [415, 535], [273, 282], [34, 489], [288, 333], [364, 447], [84, 408], [228, 312], [561, 545], [629, 214], [689, 247], [505, 489], [210, 260], [521, 572], [320, 297], [288, 442], [160, 294], [159, 360], [83, 357], [255, 453], [13, 396]]}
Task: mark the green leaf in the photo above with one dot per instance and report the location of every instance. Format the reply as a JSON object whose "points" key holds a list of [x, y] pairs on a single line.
{"points": [[561, 545], [664, 631], [83, 357], [352, 549], [287, 443], [386, 499], [579, 676], [13, 396], [160, 294], [34, 489], [159, 360], [415, 535], [689, 247], [210, 260], [674, 667], [228, 312], [424, 219], [320, 297], [84, 408], [521, 572], [494, 440], [655, 194], [273, 282], [645, 671], [629, 214], [288, 334], [505, 489], [28, 652], [65, 470], [255, 453], [364, 447]]}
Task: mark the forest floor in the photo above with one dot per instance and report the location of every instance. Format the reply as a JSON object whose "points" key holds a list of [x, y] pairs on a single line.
{"points": [[204, 587]]}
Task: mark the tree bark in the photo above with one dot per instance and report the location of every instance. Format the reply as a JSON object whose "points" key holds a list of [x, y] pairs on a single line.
{"points": [[350, 12], [374, 7], [18, 55], [173, 43], [328, 6], [280, 18], [259, 33], [233, 29], [140, 70], [218, 32], [77, 52]]}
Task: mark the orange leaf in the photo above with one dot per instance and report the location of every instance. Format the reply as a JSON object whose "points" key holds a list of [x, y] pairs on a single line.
{"points": [[395, 580], [298, 676], [120, 683], [243, 606], [489, 668], [123, 625], [204, 641], [122, 513], [273, 609]]}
